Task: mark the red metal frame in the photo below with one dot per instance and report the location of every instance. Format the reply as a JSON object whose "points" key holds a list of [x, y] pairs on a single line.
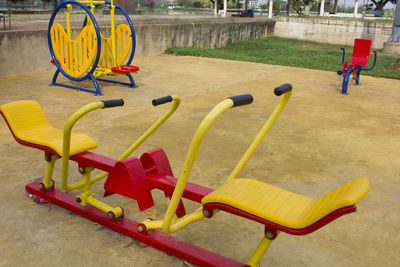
{"points": [[95, 160], [135, 178], [303, 231], [156, 239]]}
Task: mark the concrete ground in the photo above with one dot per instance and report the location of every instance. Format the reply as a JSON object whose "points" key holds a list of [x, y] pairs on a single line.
{"points": [[321, 140]]}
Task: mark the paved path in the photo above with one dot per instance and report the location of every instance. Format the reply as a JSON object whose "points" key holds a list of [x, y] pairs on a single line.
{"points": [[321, 140]]}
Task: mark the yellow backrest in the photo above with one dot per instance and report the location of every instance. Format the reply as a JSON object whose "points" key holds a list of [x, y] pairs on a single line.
{"points": [[24, 116], [347, 194], [75, 57]]}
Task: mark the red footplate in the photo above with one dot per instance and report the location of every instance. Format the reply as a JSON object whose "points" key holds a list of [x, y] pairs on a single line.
{"points": [[124, 69]]}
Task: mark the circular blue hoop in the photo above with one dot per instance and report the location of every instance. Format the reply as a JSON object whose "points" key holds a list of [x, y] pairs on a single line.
{"points": [[96, 27]]}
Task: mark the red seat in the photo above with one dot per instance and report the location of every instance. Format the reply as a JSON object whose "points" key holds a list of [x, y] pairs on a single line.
{"points": [[361, 51]]}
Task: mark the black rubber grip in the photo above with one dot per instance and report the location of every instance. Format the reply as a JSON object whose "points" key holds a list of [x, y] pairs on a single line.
{"points": [[284, 88], [161, 100], [241, 100], [113, 103]]}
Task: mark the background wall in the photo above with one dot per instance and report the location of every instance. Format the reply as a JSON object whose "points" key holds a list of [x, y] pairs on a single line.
{"points": [[333, 31], [24, 51]]}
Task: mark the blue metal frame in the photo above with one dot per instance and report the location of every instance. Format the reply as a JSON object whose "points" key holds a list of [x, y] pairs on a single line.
{"points": [[350, 70], [346, 80], [95, 83], [90, 75], [344, 53], [131, 84], [373, 66]]}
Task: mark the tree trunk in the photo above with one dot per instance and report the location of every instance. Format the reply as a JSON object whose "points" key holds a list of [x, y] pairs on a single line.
{"points": [[289, 2], [395, 37], [335, 6], [379, 4], [245, 6]]}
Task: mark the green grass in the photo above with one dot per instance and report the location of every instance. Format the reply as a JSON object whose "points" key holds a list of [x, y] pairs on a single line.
{"points": [[295, 53]]}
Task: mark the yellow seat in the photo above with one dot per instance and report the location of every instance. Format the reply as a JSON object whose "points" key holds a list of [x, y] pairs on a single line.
{"points": [[29, 124], [283, 207]]}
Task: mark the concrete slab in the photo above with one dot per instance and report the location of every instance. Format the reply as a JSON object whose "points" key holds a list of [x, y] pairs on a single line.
{"points": [[321, 140]]}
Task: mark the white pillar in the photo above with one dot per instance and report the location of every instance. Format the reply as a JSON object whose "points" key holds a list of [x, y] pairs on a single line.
{"points": [[225, 6], [215, 7], [355, 8], [271, 3], [322, 9]]}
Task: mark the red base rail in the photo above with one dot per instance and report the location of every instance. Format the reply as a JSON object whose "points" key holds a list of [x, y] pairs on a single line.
{"points": [[156, 239]]}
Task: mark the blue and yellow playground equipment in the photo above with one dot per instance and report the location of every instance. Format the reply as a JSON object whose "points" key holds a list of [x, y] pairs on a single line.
{"points": [[91, 55], [359, 61], [278, 210]]}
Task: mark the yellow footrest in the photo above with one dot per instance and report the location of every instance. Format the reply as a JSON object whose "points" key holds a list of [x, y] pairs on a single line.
{"points": [[284, 207]]}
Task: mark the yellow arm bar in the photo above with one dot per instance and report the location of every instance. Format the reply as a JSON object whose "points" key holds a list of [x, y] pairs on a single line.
{"points": [[194, 148], [68, 16], [260, 136], [67, 142], [262, 247], [113, 41], [144, 136], [154, 127]]}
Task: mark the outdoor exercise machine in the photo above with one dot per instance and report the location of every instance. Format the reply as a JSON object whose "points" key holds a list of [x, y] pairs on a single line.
{"points": [[359, 60], [91, 55], [277, 209]]}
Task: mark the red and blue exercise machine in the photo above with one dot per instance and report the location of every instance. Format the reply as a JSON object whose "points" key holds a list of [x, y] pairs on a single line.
{"points": [[278, 210], [359, 61]]}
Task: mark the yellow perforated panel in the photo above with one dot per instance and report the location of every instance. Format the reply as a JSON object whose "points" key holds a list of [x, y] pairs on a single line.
{"points": [[123, 41], [75, 57]]}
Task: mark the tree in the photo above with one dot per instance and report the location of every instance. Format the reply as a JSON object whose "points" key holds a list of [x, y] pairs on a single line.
{"points": [[150, 4], [197, 4], [181, 3], [395, 36], [299, 5], [276, 8], [288, 5], [220, 4], [335, 6], [379, 4], [263, 7]]}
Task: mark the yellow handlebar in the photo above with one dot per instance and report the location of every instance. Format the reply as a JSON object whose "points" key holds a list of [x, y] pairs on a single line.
{"points": [[90, 107], [167, 225], [150, 131], [67, 142], [286, 90]]}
